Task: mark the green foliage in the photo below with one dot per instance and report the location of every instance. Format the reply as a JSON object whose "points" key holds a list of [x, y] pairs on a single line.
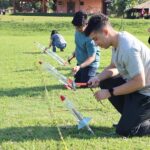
{"points": [[141, 1], [38, 5], [118, 7], [4, 3], [34, 4]]}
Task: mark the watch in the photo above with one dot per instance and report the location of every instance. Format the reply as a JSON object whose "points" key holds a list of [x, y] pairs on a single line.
{"points": [[111, 91]]}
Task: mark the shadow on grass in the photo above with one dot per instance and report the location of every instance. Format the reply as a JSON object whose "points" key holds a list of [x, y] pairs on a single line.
{"points": [[32, 53], [61, 68], [30, 91], [100, 132], [25, 70], [18, 134]]}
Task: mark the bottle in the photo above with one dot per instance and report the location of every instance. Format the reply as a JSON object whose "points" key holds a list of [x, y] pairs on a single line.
{"points": [[82, 121]]}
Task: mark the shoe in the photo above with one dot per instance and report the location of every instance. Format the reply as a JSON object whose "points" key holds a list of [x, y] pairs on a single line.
{"points": [[115, 125]]}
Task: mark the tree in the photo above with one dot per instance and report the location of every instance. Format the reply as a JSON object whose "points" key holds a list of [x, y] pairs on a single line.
{"points": [[118, 7], [4, 3], [141, 1]]}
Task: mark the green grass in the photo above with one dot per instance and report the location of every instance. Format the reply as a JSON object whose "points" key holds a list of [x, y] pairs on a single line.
{"points": [[25, 120]]}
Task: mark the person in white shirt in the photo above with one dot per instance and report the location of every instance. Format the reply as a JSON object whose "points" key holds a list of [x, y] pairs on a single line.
{"points": [[126, 81]]}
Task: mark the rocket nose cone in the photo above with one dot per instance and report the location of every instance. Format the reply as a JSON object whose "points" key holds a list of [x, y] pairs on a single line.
{"points": [[62, 98]]}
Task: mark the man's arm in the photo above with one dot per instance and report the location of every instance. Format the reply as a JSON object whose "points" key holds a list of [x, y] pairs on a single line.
{"points": [[91, 49], [132, 85], [135, 68], [108, 72], [86, 63]]}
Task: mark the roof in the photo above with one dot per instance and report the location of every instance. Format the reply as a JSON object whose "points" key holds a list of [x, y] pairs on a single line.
{"points": [[143, 5]]}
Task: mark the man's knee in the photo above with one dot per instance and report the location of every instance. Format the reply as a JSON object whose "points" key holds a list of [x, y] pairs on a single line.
{"points": [[111, 82], [106, 84], [102, 84], [138, 130]]}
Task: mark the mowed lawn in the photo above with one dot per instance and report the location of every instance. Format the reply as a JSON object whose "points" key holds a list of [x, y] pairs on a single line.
{"points": [[32, 118]]}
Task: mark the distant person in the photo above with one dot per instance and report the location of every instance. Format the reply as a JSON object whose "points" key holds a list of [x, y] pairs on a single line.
{"points": [[3, 11], [57, 41], [142, 13], [86, 51], [149, 36]]}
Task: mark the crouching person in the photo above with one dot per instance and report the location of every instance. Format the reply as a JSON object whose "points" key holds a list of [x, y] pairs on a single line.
{"points": [[86, 52], [126, 81], [56, 41]]}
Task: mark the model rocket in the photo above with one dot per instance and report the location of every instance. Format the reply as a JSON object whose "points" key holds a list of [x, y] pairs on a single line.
{"points": [[83, 122], [51, 54], [68, 83]]}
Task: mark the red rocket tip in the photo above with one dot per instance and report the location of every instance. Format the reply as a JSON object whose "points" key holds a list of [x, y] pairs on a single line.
{"points": [[40, 62], [62, 98]]}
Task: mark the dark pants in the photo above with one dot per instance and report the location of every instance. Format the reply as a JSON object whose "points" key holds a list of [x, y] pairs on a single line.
{"points": [[134, 109], [84, 74], [60, 46]]}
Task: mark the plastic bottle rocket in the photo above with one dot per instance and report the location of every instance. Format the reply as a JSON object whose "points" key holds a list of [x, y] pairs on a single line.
{"points": [[68, 83], [53, 71], [50, 53], [82, 121]]}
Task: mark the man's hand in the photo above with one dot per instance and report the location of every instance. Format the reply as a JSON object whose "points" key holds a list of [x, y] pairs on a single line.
{"points": [[75, 69], [45, 49], [102, 94], [94, 82]]}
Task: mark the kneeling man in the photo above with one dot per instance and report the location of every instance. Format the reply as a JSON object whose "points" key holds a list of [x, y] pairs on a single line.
{"points": [[126, 81]]}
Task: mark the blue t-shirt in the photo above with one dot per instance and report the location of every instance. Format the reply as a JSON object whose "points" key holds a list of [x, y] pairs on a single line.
{"points": [[58, 40], [85, 48]]}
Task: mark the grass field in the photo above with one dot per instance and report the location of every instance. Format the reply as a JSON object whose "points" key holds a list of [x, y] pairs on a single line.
{"points": [[25, 119]]}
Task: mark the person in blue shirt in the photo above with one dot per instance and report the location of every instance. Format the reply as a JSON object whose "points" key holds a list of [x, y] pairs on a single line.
{"points": [[86, 52], [57, 41]]}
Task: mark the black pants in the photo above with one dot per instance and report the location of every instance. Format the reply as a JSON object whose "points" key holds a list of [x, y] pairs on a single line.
{"points": [[84, 74], [134, 109]]}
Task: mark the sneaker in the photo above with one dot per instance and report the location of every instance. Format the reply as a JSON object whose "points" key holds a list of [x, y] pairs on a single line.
{"points": [[115, 125]]}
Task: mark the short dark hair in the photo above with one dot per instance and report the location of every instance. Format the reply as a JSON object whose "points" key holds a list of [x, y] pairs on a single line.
{"points": [[54, 32], [95, 23], [80, 19]]}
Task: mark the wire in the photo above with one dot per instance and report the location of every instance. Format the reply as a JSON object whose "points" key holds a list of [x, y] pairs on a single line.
{"points": [[51, 112]]}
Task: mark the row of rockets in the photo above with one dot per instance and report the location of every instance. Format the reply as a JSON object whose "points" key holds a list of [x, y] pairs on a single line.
{"points": [[83, 122]]}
